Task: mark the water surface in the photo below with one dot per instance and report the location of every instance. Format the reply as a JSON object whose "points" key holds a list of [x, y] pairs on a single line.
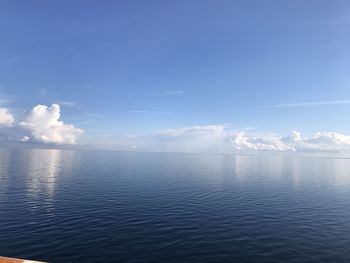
{"points": [[95, 206]]}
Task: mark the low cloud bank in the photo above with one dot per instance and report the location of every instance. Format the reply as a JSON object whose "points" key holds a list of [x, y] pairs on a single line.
{"points": [[221, 139], [41, 124], [320, 141]]}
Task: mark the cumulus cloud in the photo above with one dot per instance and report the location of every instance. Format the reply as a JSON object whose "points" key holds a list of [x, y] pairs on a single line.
{"points": [[320, 141], [6, 118], [219, 138], [45, 126], [242, 141]]}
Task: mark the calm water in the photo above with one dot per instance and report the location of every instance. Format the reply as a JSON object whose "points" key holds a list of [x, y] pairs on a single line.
{"points": [[75, 206]]}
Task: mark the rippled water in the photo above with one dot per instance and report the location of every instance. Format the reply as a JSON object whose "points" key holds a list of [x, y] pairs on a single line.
{"points": [[75, 206]]}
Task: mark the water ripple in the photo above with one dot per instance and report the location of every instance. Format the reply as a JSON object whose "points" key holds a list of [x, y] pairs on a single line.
{"points": [[66, 206]]}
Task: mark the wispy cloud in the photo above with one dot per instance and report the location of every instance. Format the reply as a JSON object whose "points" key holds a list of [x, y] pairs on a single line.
{"points": [[151, 112], [67, 103], [173, 92], [307, 104]]}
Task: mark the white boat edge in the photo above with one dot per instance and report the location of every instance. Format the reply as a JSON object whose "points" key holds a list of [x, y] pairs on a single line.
{"points": [[16, 260]]}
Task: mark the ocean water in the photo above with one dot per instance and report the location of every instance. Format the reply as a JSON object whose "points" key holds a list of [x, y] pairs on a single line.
{"points": [[95, 206]]}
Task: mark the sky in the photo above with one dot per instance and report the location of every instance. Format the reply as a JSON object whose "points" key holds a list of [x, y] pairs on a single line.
{"points": [[176, 75]]}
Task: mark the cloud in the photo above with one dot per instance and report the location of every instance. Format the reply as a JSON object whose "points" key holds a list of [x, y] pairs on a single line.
{"points": [[24, 139], [67, 103], [6, 118], [41, 124], [45, 127], [320, 141], [198, 138], [173, 92], [242, 141], [220, 138], [307, 104]]}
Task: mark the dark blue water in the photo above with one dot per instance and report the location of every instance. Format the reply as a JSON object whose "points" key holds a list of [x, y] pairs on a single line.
{"points": [[75, 206]]}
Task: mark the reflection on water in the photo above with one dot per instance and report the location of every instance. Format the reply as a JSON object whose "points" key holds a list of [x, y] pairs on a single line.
{"points": [[340, 169], [33, 172], [4, 165], [64, 206], [43, 170]]}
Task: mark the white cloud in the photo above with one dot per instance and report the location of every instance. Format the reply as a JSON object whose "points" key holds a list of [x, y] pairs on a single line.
{"points": [[44, 126], [219, 138], [241, 141], [320, 141], [6, 118], [24, 139]]}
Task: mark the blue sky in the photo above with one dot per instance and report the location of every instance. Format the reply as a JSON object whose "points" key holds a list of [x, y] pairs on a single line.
{"points": [[138, 67]]}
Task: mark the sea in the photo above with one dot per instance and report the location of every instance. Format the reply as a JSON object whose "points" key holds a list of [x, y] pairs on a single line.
{"points": [[104, 206]]}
